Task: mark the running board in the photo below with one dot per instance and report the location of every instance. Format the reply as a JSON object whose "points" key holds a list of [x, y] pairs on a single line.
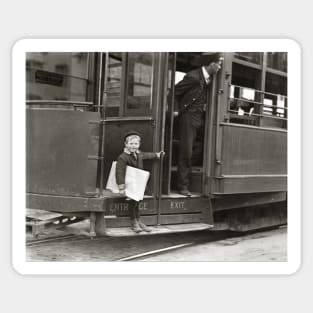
{"points": [[158, 230], [176, 195]]}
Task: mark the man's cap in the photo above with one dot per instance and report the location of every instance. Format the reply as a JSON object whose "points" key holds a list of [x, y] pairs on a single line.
{"points": [[130, 133], [208, 57]]}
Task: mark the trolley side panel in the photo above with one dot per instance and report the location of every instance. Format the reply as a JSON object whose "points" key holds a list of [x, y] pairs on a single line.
{"points": [[62, 149], [253, 160]]}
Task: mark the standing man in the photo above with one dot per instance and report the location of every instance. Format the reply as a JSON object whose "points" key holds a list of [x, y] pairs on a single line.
{"points": [[191, 96]]}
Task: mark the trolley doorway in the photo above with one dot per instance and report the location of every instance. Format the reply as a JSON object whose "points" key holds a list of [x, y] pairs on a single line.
{"points": [[178, 66]]}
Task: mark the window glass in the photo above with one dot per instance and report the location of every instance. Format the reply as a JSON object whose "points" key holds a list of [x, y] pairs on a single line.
{"points": [[275, 105], [244, 94], [56, 76], [245, 76], [275, 101], [112, 90], [277, 61], [243, 105], [268, 106], [276, 84], [253, 57], [139, 83]]}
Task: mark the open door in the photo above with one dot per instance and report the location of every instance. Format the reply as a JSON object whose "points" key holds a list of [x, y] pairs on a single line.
{"points": [[179, 64], [174, 207], [203, 149]]}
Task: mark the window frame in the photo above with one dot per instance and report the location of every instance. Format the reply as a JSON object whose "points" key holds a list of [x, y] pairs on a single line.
{"points": [[259, 115], [124, 111], [86, 78]]}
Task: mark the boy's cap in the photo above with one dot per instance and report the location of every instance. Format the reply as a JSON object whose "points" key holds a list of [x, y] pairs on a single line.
{"points": [[130, 133]]}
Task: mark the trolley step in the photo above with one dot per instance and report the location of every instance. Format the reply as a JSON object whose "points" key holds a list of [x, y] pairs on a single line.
{"points": [[39, 220], [158, 230], [82, 228]]}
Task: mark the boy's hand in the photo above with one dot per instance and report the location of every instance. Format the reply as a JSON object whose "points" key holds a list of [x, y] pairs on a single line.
{"points": [[160, 153], [121, 189]]}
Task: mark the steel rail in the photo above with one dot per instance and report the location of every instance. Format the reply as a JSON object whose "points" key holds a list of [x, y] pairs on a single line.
{"points": [[216, 236]]}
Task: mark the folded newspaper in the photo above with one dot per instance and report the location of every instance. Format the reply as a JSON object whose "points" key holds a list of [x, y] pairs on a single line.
{"points": [[135, 182]]}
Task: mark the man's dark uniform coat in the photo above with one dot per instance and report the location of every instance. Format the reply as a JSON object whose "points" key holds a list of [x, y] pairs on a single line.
{"points": [[191, 97]]}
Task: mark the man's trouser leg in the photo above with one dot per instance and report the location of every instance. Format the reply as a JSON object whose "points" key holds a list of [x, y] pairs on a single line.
{"points": [[188, 134]]}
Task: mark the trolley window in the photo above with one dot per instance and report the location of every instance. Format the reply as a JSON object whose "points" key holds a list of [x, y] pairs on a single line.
{"points": [[113, 83], [244, 104], [252, 57], [57, 76], [275, 101], [139, 84], [277, 61], [259, 96]]}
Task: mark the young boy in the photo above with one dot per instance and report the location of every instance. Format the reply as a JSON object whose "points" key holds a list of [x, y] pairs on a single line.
{"points": [[133, 157]]}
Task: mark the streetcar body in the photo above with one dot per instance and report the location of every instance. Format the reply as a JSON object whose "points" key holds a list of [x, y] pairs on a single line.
{"points": [[80, 105]]}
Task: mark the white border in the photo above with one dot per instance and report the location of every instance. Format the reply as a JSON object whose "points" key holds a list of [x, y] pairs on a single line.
{"points": [[156, 268]]}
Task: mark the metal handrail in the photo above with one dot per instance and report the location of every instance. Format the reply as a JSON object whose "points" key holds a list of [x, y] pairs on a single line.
{"points": [[262, 115], [260, 103], [259, 115], [264, 92], [60, 102]]}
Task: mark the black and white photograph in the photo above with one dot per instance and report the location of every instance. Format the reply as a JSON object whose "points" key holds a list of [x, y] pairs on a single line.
{"points": [[157, 157]]}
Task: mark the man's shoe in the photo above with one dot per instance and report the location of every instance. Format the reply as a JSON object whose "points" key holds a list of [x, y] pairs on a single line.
{"points": [[135, 227], [185, 192], [144, 227]]}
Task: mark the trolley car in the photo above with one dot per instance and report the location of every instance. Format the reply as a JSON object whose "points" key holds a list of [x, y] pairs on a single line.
{"points": [[80, 105]]}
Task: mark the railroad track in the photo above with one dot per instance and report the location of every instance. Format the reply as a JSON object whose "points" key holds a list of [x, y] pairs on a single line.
{"points": [[209, 236], [63, 238], [127, 249], [214, 236]]}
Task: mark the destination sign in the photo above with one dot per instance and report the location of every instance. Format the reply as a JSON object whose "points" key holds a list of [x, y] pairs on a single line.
{"points": [[49, 78]]}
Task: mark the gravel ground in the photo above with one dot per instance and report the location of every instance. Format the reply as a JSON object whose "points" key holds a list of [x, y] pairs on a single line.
{"points": [[261, 246]]}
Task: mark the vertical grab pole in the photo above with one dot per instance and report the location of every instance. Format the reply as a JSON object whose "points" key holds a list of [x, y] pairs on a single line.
{"points": [[212, 115], [160, 187], [209, 138], [102, 117], [163, 87], [218, 77], [97, 221]]}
